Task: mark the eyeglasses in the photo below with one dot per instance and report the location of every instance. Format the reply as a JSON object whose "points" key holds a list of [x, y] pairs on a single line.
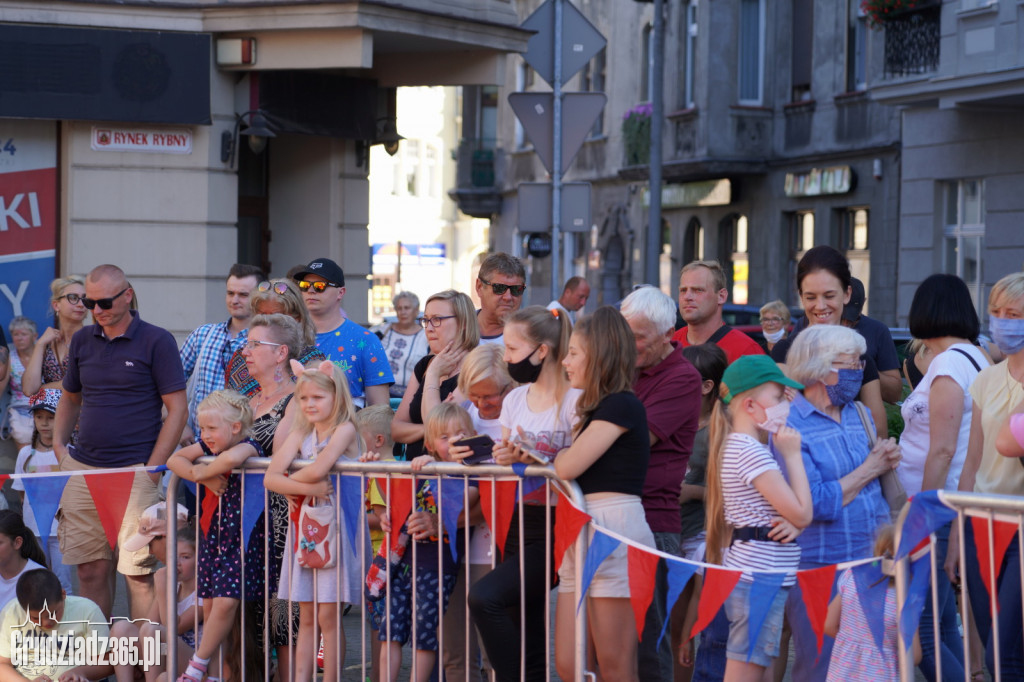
{"points": [[103, 303], [73, 299], [251, 344], [771, 320], [858, 364], [435, 321], [278, 287], [318, 287], [500, 289]]}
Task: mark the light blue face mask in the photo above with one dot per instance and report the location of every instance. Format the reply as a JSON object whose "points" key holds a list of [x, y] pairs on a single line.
{"points": [[1008, 334], [846, 388]]}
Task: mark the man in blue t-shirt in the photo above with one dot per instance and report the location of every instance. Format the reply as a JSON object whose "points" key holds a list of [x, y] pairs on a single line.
{"points": [[345, 343], [122, 372]]}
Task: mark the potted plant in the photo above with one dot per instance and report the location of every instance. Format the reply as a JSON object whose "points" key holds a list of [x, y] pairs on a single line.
{"points": [[636, 134], [880, 11]]}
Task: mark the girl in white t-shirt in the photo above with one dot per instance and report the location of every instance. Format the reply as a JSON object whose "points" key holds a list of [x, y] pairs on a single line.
{"points": [[19, 552], [746, 495]]}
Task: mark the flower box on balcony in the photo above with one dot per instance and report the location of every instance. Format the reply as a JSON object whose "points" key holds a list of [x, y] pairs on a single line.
{"points": [[636, 135]]}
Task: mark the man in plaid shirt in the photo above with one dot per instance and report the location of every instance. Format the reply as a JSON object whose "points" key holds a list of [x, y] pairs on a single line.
{"points": [[207, 350]]}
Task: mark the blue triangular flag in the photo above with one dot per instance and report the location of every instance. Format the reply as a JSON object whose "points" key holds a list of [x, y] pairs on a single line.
{"points": [[453, 501], [917, 592], [926, 515], [43, 495], [872, 586], [254, 501], [679, 573], [601, 546], [519, 468], [191, 485], [351, 499], [762, 593]]}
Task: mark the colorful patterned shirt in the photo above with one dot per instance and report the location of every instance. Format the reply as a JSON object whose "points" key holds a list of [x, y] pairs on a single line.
{"points": [[359, 352], [208, 351]]}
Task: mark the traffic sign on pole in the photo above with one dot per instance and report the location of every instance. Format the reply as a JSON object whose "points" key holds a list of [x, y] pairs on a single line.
{"points": [[535, 207], [580, 41], [535, 111]]}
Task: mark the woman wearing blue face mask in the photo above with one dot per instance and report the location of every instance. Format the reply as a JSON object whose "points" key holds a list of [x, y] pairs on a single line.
{"points": [[996, 392], [842, 469]]}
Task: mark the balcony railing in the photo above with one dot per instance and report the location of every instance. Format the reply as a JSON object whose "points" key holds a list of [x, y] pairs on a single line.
{"points": [[912, 42], [478, 171]]}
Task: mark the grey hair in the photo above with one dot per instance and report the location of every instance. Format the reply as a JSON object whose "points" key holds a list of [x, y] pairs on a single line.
{"points": [[814, 350], [652, 304], [22, 322], [413, 298]]}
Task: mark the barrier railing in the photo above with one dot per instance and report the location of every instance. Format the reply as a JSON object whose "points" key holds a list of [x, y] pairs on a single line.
{"points": [[451, 484]]}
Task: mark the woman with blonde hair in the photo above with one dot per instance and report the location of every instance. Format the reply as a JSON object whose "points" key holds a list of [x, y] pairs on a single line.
{"points": [[49, 360], [452, 331]]}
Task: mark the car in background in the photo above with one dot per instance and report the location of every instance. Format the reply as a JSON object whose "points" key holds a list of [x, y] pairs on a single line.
{"points": [[747, 319]]}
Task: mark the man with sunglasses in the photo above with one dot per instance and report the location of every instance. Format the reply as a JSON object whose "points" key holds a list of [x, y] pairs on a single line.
{"points": [[122, 372], [208, 350], [500, 285], [345, 343]]}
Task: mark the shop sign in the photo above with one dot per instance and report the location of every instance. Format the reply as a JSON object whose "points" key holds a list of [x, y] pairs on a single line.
{"points": [[28, 217], [704, 193], [819, 181], [385, 255], [162, 141]]}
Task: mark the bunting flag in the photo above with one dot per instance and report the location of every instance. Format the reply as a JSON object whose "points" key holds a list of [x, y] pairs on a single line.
{"points": [[679, 573], [207, 509], [601, 546], [449, 494], [762, 594], [643, 567], [192, 486], [43, 495], [111, 493], [917, 592], [501, 495], [718, 584], [350, 498], [254, 501], [399, 502], [926, 515], [1002, 535], [569, 521], [816, 590], [872, 588]]}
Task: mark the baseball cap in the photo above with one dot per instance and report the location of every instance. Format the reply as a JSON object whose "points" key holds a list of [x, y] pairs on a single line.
{"points": [[324, 267], [45, 399], [153, 524], [750, 371], [852, 310]]}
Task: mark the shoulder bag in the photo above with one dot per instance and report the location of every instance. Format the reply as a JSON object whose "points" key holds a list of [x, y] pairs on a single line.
{"points": [[892, 488]]}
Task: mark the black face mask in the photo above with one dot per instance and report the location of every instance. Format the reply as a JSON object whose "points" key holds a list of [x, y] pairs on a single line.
{"points": [[524, 371]]}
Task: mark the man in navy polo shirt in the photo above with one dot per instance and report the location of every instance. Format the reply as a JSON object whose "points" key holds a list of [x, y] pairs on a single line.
{"points": [[121, 373]]}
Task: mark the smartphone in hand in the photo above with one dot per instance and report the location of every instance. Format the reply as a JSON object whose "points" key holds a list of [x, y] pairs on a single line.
{"points": [[482, 447]]}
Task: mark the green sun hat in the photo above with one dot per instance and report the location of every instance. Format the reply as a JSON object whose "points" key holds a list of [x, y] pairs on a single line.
{"points": [[750, 371]]}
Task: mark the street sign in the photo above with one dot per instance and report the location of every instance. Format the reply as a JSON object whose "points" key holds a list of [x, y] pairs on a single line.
{"points": [[535, 207], [580, 41], [536, 112]]}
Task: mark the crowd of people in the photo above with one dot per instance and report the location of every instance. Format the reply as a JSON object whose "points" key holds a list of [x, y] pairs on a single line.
{"points": [[698, 442]]}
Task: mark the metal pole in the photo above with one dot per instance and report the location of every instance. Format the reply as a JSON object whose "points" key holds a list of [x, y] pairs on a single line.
{"points": [[653, 251], [556, 159]]}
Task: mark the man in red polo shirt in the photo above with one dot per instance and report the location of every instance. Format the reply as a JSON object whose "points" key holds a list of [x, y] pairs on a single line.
{"points": [[702, 294]]}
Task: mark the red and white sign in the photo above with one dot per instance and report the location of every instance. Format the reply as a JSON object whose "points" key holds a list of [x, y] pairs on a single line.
{"points": [[162, 140]]}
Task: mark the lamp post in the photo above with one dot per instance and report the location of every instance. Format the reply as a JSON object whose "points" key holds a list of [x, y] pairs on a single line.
{"points": [[258, 132]]}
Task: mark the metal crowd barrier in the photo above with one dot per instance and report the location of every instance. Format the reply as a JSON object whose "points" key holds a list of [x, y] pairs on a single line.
{"points": [[386, 472], [991, 509]]}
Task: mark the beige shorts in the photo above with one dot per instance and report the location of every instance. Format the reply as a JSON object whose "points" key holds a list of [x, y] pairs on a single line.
{"points": [[81, 535]]}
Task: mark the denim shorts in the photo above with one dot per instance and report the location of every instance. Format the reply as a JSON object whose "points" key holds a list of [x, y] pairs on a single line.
{"points": [[737, 608]]}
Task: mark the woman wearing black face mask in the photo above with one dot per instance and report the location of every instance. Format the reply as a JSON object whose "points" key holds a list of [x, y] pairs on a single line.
{"points": [[537, 417], [452, 331]]}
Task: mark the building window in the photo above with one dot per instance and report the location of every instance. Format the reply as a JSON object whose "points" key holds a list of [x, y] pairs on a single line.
{"points": [[856, 48], [592, 79], [740, 262], [522, 75], [751, 57], [647, 64], [693, 241], [853, 241], [963, 234], [689, 32], [802, 55], [433, 171], [801, 238], [411, 166]]}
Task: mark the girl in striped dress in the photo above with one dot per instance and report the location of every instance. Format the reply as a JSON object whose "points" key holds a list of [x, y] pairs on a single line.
{"points": [[753, 513]]}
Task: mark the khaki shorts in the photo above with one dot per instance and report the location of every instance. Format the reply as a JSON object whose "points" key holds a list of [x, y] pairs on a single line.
{"points": [[81, 535]]}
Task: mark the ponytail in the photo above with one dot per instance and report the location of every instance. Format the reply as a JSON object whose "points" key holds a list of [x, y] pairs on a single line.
{"points": [[719, 533], [550, 327], [13, 526]]}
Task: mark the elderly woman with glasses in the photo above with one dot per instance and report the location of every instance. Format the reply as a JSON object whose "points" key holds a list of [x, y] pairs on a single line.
{"points": [[49, 361], [449, 321], [774, 321], [404, 341], [842, 468]]}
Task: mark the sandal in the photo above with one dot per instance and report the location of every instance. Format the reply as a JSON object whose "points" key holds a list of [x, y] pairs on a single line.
{"points": [[186, 677]]}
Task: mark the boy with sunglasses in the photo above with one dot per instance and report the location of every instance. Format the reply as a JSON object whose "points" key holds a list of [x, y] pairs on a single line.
{"points": [[500, 286], [345, 343]]}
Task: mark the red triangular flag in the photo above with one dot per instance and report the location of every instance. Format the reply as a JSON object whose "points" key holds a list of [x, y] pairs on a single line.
{"points": [[816, 588], [643, 565], [1002, 534], [111, 493], [718, 584], [399, 503], [209, 508], [569, 521], [4, 478], [504, 495]]}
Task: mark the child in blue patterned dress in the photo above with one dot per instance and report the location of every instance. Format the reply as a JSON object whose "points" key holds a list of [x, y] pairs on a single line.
{"points": [[225, 419]]}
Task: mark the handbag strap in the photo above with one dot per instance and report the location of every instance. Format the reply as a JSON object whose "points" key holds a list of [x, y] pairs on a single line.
{"points": [[862, 411], [967, 355]]}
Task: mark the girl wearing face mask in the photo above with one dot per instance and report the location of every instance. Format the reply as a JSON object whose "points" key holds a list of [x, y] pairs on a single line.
{"points": [[842, 469]]}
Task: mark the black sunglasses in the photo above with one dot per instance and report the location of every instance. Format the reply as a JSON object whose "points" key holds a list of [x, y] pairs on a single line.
{"points": [[278, 287], [318, 287], [500, 289], [103, 303]]}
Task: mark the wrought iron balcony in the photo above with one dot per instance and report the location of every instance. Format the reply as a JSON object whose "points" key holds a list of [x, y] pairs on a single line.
{"points": [[912, 42]]}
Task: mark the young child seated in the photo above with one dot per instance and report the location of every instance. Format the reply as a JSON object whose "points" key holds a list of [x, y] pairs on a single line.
{"points": [[40, 611]]}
